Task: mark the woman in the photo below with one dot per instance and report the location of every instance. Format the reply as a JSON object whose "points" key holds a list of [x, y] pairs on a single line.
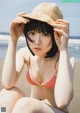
{"points": [[50, 68]]}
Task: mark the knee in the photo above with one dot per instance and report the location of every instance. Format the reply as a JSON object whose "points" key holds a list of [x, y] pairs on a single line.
{"points": [[21, 104], [26, 104], [8, 98], [11, 94], [13, 90]]}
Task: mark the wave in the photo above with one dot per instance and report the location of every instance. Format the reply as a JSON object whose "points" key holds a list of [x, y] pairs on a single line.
{"points": [[71, 36], [72, 41], [6, 38], [74, 46]]}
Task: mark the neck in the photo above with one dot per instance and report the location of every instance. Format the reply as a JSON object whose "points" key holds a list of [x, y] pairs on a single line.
{"points": [[42, 58], [39, 58]]}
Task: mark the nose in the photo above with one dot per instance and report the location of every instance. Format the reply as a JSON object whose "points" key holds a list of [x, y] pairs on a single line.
{"points": [[38, 40]]}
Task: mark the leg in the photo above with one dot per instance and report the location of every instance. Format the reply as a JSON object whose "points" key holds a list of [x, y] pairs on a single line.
{"points": [[8, 98], [30, 105]]}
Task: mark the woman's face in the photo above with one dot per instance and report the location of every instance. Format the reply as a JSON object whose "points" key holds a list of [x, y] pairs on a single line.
{"points": [[40, 44]]}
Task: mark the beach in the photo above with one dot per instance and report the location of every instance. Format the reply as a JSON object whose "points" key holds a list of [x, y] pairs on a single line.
{"points": [[74, 106]]}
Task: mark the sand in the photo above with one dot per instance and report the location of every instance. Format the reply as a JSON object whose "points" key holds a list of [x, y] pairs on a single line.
{"points": [[74, 106]]}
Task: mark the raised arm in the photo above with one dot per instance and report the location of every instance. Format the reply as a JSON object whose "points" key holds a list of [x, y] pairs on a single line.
{"points": [[64, 82], [9, 73]]}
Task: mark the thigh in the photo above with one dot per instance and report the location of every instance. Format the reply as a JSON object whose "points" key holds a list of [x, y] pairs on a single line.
{"points": [[8, 98], [30, 105]]}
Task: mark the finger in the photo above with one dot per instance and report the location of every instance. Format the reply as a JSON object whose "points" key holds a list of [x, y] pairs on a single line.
{"points": [[65, 27], [63, 21], [61, 32], [20, 14], [21, 19], [59, 25], [16, 22], [56, 34]]}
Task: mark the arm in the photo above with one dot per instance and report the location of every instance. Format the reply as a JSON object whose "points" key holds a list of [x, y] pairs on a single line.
{"points": [[9, 74], [9, 68], [64, 82]]}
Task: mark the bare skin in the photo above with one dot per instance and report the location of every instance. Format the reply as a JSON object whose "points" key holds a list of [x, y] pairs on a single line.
{"points": [[42, 100]]}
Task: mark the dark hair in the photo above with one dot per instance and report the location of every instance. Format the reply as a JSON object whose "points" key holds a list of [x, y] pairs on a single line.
{"points": [[43, 27]]}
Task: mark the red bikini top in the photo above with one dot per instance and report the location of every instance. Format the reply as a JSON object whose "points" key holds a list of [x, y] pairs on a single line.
{"points": [[50, 83]]}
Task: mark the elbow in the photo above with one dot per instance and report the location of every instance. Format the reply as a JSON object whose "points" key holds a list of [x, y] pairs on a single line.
{"points": [[62, 101], [62, 105], [7, 85]]}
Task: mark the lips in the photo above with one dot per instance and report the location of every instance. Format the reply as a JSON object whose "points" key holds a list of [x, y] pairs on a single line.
{"points": [[37, 48]]}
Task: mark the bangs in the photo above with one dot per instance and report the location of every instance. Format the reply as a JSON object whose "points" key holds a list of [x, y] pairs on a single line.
{"points": [[37, 26]]}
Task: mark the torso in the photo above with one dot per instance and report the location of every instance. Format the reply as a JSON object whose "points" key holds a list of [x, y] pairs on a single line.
{"points": [[40, 71]]}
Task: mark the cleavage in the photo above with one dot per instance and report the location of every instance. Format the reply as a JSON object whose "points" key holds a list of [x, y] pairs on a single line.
{"points": [[38, 72]]}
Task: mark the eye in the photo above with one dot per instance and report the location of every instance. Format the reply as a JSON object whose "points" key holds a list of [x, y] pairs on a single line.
{"points": [[45, 34], [31, 33]]}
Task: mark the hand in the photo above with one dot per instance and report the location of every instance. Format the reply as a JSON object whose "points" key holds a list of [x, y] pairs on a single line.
{"points": [[61, 33], [17, 25]]}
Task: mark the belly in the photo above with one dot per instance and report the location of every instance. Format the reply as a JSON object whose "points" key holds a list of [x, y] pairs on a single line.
{"points": [[43, 94]]}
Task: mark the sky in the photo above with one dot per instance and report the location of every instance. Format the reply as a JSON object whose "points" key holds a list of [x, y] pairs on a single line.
{"points": [[10, 8]]}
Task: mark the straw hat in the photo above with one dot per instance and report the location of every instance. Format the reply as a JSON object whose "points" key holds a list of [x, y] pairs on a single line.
{"points": [[46, 12]]}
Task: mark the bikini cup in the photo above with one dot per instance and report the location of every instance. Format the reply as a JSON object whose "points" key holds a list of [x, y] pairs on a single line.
{"points": [[50, 83]]}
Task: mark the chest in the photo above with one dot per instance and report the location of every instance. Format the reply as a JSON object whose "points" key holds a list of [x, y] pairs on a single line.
{"points": [[40, 71]]}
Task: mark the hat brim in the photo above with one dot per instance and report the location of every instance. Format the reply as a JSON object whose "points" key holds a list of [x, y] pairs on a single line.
{"points": [[40, 17]]}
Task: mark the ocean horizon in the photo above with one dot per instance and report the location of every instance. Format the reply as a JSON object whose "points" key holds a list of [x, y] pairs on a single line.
{"points": [[73, 45]]}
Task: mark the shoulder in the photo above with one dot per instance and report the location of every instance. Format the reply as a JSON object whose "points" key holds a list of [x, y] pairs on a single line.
{"points": [[23, 50], [23, 53]]}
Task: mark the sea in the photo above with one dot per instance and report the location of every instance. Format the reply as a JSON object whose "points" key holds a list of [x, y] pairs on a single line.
{"points": [[73, 45]]}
